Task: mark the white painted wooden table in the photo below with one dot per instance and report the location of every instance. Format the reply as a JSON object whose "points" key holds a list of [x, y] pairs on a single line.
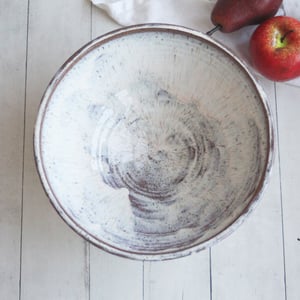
{"points": [[42, 258]]}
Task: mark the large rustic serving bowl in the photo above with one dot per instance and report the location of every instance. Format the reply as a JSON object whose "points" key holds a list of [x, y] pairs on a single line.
{"points": [[153, 141]]}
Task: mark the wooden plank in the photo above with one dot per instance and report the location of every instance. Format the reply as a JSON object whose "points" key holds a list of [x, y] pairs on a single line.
{"points": [[249, 264], [115, 278], [186, 278], [112, 277], [288, 100], [13, 31], [55, 262]]}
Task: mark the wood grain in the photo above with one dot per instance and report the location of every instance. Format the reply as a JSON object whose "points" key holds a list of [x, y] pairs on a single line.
{"points": [[114, 278], [54, 264], [289, 140], [13, 31], [186, 278]]}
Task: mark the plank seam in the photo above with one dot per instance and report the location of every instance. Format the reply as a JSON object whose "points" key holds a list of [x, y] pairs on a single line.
{"points": [[210, 275], [281, 196], [143, 281], [23, 158]]}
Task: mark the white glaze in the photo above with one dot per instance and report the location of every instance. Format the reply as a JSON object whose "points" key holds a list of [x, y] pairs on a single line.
{"points": [[153, 143]]}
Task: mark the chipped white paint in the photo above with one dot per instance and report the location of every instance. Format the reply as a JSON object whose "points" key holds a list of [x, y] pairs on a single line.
{"points": [[153, 142]]}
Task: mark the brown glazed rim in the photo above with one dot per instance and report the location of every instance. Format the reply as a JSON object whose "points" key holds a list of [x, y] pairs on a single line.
{"points": [[169, 253]]}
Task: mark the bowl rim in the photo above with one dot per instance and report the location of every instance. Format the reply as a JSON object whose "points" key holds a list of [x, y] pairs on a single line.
{"points": [[171, 253]]}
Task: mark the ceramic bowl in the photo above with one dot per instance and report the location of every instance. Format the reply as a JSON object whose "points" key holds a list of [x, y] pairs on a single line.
{"points": [[153, 141]]}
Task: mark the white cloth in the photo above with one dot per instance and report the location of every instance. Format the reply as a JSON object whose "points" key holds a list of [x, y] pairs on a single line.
{"points": [[182, 12], [190, 13]]}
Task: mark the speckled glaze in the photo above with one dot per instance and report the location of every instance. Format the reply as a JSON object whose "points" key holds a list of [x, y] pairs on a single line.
{"points": [[153, 142]]}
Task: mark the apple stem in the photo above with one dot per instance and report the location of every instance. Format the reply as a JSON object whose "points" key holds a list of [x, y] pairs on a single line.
{"points": [[212, 31], [285, 35]]}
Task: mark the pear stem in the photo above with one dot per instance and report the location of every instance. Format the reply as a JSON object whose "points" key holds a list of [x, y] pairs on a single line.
{"points": [[285, 35], [212, 31]]}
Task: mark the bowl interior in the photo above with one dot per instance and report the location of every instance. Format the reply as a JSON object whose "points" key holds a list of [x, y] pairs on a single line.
{"points": [[152, 142]]}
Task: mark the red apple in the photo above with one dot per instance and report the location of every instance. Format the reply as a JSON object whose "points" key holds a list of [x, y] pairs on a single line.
{"points": [[275, 48]]}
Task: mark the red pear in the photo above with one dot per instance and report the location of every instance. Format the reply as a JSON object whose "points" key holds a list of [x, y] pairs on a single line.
{"points": [[231, 15]]}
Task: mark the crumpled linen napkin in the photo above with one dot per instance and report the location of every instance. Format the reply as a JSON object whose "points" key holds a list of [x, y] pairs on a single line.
{"points": [[181, 12], [190, 13]]}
